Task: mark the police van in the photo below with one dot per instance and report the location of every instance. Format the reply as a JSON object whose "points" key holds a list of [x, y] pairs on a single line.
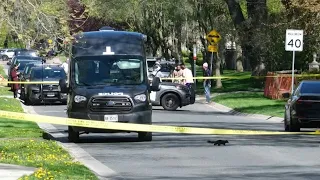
{"points": [[107, 81]]}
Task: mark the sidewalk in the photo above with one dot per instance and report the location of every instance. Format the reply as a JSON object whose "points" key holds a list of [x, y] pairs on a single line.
{"points": [[14, 172]]}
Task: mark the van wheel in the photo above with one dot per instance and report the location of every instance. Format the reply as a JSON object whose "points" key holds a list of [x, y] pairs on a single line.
{"points": [[170, 102], [145, 136], [73, 136]]}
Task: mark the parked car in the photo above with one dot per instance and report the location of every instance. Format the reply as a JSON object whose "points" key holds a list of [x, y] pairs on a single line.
{"points": [[24, 52], [7, 54], [37, 93], [172, 96], [26, 72], [166, 67], [23, 60], [302, 110]]}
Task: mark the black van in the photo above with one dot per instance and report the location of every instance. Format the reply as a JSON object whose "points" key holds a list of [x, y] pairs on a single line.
{"points": [[107, 81]]}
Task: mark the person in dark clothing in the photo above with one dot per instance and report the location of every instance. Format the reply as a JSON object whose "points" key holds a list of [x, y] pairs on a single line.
{"points": [[15, 77], [206, 82]]}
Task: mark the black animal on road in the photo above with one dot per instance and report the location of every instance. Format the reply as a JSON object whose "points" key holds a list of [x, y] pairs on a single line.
{"points": [[218, 142]]}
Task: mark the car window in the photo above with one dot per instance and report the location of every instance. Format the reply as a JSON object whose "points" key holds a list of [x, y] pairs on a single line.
{"points": [[48, 73], [313, 87], [165, 68], [297, 91], [151, 63]]}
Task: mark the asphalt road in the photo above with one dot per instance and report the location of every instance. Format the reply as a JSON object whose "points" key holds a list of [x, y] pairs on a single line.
{"points": [[174, 156]]}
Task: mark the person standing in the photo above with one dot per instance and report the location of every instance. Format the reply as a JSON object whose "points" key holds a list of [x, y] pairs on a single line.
{"points": [[177, 73], [206, 82], [65, 66], [15, 77], [187, 75]]}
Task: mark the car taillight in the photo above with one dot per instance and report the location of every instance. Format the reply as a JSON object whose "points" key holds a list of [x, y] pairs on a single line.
{"points": [[304, 101]]}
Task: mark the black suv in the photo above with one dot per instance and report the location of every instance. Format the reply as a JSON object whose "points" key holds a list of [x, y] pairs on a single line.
{"points": [[37, 93]]}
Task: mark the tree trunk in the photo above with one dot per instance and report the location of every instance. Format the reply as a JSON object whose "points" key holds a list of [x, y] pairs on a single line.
{"points": [[239, 61], [217, 70], [248, 31]]}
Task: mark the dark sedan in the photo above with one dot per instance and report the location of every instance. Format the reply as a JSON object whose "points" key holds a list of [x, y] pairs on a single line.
{"points": [[303, 107]]}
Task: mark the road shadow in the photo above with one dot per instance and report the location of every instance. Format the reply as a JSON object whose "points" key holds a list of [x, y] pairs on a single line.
{"points": [[191, 112], [273, 172], [171, 140], [43, 103]]}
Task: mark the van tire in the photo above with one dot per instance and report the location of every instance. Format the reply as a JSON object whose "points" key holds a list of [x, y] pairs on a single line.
{"points": [[73, 136], [145, 136]]}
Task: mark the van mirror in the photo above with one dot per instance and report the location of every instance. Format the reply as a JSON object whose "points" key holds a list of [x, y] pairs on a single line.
{"points": [[63, 86], [286, 95], [155, 84]]}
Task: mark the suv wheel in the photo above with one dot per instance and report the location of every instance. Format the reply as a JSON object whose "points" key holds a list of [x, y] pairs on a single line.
{"points": [[286, 126], [294, 126], [145, 136], [73, 136], [170, 102]]}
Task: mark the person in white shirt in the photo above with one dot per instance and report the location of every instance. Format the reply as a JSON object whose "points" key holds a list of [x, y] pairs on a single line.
{"points": [[65, 65], [187, 75]]}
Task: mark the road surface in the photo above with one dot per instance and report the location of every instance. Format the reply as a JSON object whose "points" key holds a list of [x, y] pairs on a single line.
{"points": [[175, 156]]}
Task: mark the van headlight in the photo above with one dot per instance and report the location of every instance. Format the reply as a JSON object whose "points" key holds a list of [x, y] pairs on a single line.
{"points": [[78, 98], [140, 98]]}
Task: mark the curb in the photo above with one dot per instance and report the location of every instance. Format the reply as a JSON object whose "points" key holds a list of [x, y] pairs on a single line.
{"points": [[51, 133], [231, 111]]}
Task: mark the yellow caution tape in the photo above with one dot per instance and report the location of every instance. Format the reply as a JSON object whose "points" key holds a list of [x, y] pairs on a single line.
{"points": [[171, 78], [243, 77], [139, 127], [29, 82]]}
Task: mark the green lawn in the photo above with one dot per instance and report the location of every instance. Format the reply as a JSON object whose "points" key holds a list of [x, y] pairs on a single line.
{"points": [[238, 81], [252, 103], [21, 143], [13, 128], [62, 58], [3, 74], [4, 90]]}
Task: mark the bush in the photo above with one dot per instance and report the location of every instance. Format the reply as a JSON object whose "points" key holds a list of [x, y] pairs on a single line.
{"points": [[199, 61], [308, 76]]}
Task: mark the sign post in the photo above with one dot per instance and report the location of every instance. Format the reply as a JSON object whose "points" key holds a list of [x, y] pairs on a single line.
{"points": [[294, 42], [195, 64]]}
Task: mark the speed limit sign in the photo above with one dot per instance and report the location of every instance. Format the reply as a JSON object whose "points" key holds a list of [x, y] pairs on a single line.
{"points": [[294, 40]]}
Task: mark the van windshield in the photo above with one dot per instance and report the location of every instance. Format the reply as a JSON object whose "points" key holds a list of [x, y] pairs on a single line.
{"points": [[109, 70]]}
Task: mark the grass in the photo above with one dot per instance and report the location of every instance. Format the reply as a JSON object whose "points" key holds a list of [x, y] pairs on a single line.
{"points": [[21, 143], [2, 73], [4, 90], [13, 128], [62, 58], [252, 103], [238, 81]]}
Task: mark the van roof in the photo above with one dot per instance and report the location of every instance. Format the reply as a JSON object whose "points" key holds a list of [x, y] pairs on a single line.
{"points": [[98, 43]]}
